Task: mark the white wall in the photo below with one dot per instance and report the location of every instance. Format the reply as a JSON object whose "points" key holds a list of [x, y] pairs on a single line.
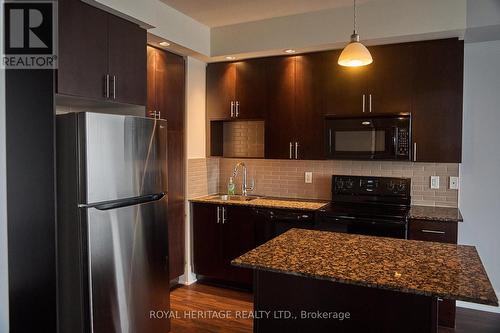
{"points": [[195, 108], [4, 283], [480, 184], [195, 141], [378, 21], [168, 23]]}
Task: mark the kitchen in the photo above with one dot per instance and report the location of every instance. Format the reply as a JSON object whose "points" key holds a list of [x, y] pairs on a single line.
{"points": [[260, 155]]}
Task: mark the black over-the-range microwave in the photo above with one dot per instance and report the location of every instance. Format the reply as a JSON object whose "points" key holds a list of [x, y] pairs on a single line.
{"points": [[385, 137]]}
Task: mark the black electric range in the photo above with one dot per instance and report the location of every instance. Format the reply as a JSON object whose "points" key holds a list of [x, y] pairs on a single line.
{"points": [[376, 206]]}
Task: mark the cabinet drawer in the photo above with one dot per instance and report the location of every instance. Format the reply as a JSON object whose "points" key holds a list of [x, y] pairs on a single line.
{"points": [[433, 231]]}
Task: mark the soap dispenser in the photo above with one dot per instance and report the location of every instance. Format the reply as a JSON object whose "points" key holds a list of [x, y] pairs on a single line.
{"points": [[231, 186]]}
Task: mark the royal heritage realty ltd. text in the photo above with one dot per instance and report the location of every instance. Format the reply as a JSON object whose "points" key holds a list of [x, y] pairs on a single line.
{"points": [[276, 314]]}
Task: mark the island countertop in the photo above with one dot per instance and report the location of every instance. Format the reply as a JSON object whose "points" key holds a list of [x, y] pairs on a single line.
{"points": [[425, 268]]}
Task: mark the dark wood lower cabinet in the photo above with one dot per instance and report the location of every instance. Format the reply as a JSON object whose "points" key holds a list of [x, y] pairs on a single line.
{"points": [[221, 234], [442, 232], [290, 303]]}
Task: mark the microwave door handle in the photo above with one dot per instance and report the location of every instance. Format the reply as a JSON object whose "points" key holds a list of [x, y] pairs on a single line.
{"points": [[395, 139]]}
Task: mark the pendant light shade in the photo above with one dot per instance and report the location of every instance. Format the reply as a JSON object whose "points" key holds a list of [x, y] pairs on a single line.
{"points": [[355, 54]]}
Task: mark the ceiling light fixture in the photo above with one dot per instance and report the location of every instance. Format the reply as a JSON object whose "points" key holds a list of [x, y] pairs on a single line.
{"points": [[355, 54], [289, 51], [230, 58], [164, 43]]}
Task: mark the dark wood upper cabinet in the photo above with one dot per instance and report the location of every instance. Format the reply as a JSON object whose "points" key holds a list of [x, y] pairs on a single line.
{"points": [[83, 50], [281, 131], [221, 90], [312, 79], [236, 90], [390, 77], [437, 101], [101, 60], [166, 95], [127, 61], [298, 92]]}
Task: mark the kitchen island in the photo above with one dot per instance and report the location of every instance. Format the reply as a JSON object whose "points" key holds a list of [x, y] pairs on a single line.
{"points": [[307, 281]]}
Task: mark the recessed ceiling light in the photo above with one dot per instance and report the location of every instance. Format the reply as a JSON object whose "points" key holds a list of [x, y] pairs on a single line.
{"points": [[290, 51], [164, 43], [230, 58]]}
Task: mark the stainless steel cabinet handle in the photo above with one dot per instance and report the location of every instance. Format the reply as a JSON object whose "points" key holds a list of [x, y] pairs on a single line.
{"points": [[330, 140], [107, 86], [364, 102], [218, 214], [433, 231], [232, 109], [291, 149], [223, 215], [296, 150], [237, 107], [415, 151], [370, 103], [114, 86]]}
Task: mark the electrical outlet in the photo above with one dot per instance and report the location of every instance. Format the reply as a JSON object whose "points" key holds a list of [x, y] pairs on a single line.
{"points": [[308, 177], [435, 182], [453, 183]]}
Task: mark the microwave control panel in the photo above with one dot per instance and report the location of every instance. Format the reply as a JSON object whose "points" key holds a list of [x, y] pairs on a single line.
{"points": [[403, 147]]}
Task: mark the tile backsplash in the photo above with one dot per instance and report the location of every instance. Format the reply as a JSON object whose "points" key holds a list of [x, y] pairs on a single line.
{"points": [[203, 177], [285, 178], [243, 139]]}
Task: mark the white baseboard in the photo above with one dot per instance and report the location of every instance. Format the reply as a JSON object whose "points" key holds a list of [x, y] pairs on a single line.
{"points": [[480, 307]]}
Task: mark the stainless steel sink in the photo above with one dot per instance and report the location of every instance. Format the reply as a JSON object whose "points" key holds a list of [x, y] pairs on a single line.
{"points": [[226, 197]]}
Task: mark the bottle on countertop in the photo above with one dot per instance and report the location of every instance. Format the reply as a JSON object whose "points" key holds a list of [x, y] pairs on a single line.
{"points": [[231, 186]]}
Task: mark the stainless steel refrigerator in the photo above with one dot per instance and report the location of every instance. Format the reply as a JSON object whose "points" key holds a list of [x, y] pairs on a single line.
{"points": [[112, 223]]}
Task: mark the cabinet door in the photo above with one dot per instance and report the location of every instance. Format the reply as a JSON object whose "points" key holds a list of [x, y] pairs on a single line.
{"points": [[311, 94], [166, 82], [238, 237], [206, 241], [221, 79], [251, 89], [281, 117], [390, 79], [151, 103], [127, 61], [437, 101], [83, 50], [346, 88]]}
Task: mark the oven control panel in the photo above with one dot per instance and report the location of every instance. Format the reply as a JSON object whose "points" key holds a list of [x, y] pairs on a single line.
{"points": [[368, 185]]}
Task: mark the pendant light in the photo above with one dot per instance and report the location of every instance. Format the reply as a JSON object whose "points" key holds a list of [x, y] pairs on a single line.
{"points": [[355, 54]]}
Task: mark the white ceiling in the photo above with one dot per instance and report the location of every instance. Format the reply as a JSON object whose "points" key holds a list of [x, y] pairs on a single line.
{"points": [[214, 13]]}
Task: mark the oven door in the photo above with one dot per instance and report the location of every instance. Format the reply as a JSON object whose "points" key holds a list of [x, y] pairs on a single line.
{"points": [[382, 138], [363, 226]]}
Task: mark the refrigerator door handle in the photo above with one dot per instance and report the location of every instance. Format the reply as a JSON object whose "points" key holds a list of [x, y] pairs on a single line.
{"points": [[107, 205]]}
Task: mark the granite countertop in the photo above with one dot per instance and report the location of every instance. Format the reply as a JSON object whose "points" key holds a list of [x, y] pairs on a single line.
{"points": [[425, 268], [282, 203], [443, 214]]}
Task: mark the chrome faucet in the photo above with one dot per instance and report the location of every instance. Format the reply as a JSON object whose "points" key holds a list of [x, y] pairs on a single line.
{"points": [[244, 186]]}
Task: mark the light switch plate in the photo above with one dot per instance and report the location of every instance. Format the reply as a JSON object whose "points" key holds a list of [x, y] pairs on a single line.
{"points": [[435, 182], [454, 183], [308, 177]]}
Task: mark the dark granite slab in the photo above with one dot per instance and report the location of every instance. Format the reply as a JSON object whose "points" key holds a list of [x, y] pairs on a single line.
{"points": [[443, 214], [425, 268]]}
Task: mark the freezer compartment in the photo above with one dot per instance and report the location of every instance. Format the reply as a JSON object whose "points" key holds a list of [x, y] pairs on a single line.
{"points": [[121, 156]]}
